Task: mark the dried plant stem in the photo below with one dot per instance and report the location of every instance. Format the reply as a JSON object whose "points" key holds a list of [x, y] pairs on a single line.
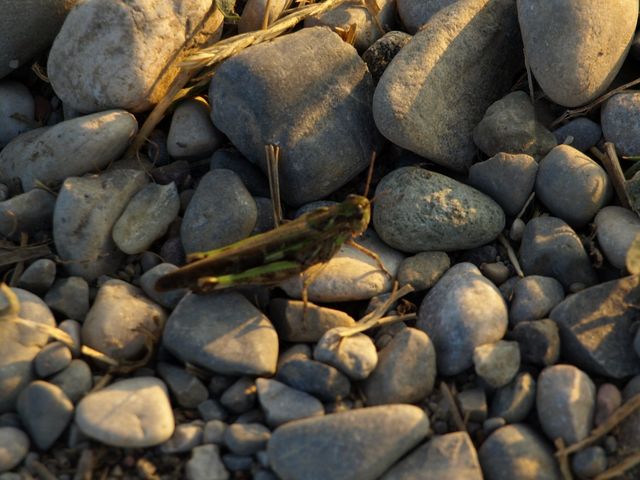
{"points": [[455, 412], [367, 185], [513, 258], [563, 460], [526, 205], [273, 161], [612, 164], [627, 464]]}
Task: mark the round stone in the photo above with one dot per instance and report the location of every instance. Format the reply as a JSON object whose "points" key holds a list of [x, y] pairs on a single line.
{"points": [[620, 119], [14, 446], [616, 228]]}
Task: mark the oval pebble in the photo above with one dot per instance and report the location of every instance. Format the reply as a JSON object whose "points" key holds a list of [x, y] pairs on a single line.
{"points": [[513, 402], [497, 363], [191, 133], [423, 270], [620, 117], [539, 341], [14, 446], [533, 298], [414, 15], [585, 133], [354, 355], [282, 404], [16, 110], [109, 415], [616, 228]]}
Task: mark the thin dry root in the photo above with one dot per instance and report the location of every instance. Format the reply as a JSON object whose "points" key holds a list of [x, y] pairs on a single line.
{"points": [[453, 406]]}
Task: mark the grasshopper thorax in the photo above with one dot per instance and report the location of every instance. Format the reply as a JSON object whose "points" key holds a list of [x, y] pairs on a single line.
{"points": [[356, 210]]}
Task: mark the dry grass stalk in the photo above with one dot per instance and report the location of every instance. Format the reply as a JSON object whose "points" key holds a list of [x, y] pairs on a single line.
{"points": [[618, 470], [513, 258], [563, 460], [455, 412], [612, 165]]}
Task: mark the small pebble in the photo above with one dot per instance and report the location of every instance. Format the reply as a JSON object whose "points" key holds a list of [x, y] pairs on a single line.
{"points": [[185, 437], [354, 355], [616, 228], [191, 133], [585, 133], [39, 276], [497, 272], [589, 462], [539, 341], [282, 404], [73, 328], [533, 298], [517, 230], [252, 177], [187, 389], [423, 270], [14, 446], [214, 432], [53, 358], [70, 297], [16, 111], [211, 409], [315, 378], [608, 399], [619, 118], [497, 363], [148, 280], [75, 381], [205, 464], [247, 438], [241, 396], [514, 401], [473, 404], [490, 425], [237, 463]]}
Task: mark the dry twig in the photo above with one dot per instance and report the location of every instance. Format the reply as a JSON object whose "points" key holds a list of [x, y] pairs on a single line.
{"points": [[455, 412], [513, 258], [612, 164]]}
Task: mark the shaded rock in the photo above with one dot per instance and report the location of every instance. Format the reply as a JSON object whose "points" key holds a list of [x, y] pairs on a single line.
{"points": [[205, 464], [252, 177], [315, 378], [539, 341], [514, 401], [414, 15], [69, 297], [417, 210], [246, 439], [14, 446], [16, 110], [254, 13], [354, 355], [191, 133], [473, 404], [616, 227], [241, 396], [595, 327], [148, 280], [39, 276], [589, 462], [381, 52], [187, 389], [54, 357], [29, 212], [585, 133], [575, 48], [185, 437], [619, 117], [423, 270], [282, 404], [359, 444], [533, 298], [214, 432], [497, 363], [439, 85], [75, 381], [318, 109], [463, 310]]}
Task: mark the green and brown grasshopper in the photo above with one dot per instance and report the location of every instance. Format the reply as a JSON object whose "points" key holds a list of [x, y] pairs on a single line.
{"points": [[271, 257]]}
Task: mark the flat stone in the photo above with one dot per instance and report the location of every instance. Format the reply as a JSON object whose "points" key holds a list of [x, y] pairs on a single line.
{"points": [[517, 451], [112, 324], [85, 212], [463, 310], [443, 457], [14, 446], [418, 210], [282, 404], [354, 355], [513, 402], [551, 248], [585, 133], [327, 81], [240, 397], [539, 341], [39, 276], [70, 148], [75, 381], [406, 370], [146, 218], [54, 357], [187, 389], [414, 15], [45, 411], [616, 228], [533, 298], [16, 109], [565, 401], [439, 85], [110, 415], [572, 186], [125, 66], [575, 48], [191, 133], [423, 270], [246, 439], [221, 212], [595, 328], [497, 363], [506, 178], [205, 464], [360, 443], [223, 333], [315, 378], [214, 432], [590, 462], [69, 297]]}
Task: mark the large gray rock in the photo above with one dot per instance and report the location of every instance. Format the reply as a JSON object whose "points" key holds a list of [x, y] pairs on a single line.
{"points": [[111, 54], [360, 443], [596, 327], [84, 215], [318, 109], [28, 27], [462, 311], [71, 148], [418, 210], [576, 47], [438, 87]]}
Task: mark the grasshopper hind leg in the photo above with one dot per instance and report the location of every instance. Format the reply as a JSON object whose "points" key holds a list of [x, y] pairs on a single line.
{"points": [[371, 254]]}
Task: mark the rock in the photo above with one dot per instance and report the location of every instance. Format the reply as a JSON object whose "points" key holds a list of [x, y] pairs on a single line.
{"points": [[354, 355], [539, 341], [14, 446], [241, 396], [282, 404], [463, 310], [108, 414], [69, 297], [212, 410], [517, 451], [185, 438], [443, 457], [595, 328], [142, 40], [619, 117], [246, 439], [351, 274], [497, 363], [585, 133], [406, 370], [205, 464], [252, 177], [148, 280], [28, 212], [381, 52], [572, 186], [439, 85], [352, 13], [187, 389], [45, 411], [616, 227], [293, 324], [51, 359], [221, 212], [223, 333], [39, 276], [254, 13], [113, 324], [146, 218], [359, 444], [191, 134], [509, 125], [84, 215], [237, 463], [214, 432], [28, 31], [629, 430], [75, 381], [423, 270], [497, 272], [316, 378], [608, 399], [70, 148], [417, 210], [533, 298], [414, 15], [551, 248], [473, 404], [508, 179], [16, 109], [565, 401], [513, 402], [590, 462], [73, 328], [328, 81], [574, 48]]}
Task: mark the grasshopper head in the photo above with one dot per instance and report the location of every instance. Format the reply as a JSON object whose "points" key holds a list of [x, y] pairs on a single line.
{"points": [[357, 211]]}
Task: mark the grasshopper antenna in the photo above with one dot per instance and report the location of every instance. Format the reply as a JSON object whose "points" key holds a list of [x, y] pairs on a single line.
{"points": [[369, 174], [273, 158]]}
